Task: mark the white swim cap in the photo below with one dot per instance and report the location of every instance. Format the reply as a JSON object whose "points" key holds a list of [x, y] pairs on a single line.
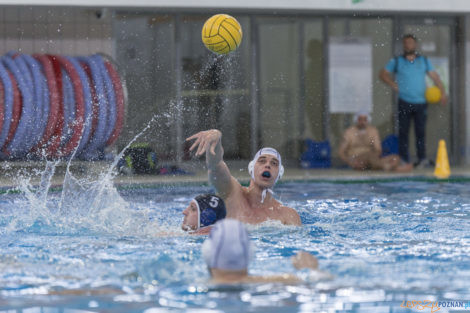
{"points": [[228, 246], [262, 151], [361, 113]]}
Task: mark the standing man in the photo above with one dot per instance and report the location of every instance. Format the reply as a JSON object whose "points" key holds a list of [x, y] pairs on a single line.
{"points": [[410, 70]]}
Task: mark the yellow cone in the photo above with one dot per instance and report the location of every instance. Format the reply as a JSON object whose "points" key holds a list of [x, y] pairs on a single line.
{"points": [[442, 169]]}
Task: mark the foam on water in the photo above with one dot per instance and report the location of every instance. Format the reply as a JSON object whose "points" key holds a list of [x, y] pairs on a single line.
{"points": [[381, 243], [90, 205]]}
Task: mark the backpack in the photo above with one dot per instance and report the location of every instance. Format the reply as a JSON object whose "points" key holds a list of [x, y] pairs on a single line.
{"points": [[138, 159]]}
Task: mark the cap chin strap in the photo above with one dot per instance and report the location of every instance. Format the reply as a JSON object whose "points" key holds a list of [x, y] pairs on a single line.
{"points": [[265, 192], [198, 214]]}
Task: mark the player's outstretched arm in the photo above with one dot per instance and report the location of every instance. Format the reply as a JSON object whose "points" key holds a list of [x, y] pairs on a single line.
{"points": [[209, 142]]}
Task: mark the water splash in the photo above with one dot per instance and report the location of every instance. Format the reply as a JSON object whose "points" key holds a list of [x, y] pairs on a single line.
{"points": [[89, 205]]}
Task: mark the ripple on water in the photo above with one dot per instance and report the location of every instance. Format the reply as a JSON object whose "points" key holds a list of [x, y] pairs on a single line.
{"points": [[381, 243]]}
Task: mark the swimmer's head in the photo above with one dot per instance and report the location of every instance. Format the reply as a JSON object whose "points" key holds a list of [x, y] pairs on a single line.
{"points": [[266, 166], [204, 210], [362, 118], [228, 247]]}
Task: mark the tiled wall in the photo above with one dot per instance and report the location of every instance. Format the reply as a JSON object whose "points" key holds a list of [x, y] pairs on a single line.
{"points": [[66, 31]]}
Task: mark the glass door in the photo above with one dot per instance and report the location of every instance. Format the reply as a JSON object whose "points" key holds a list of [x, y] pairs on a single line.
{"points": [[290, 82], [377, 33]]}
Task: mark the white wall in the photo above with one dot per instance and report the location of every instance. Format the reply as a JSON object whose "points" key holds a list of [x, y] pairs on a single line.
{"points": [[54, 30], [437, 6]]}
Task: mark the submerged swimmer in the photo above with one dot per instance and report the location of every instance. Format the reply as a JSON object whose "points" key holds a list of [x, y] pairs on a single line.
{"points": [[255, 203], [202, 212], [227, 252]]}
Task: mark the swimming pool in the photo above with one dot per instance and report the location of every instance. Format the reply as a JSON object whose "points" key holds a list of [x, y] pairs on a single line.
{"points": [[95, 248]]}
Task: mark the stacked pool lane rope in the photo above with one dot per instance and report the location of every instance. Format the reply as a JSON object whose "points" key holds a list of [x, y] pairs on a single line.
{"points": [[54, 106]]}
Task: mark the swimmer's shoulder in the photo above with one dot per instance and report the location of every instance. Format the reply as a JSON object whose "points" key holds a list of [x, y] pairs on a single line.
{"points": [[281, 207], [289, 215], [237, 192]]}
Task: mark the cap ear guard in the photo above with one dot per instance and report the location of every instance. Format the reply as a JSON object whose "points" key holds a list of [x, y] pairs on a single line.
{"points": [[281, 172], [251, 168], [207, 217]]}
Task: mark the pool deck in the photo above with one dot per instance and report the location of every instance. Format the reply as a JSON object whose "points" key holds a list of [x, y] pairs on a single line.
{"points": [[11, 171]]}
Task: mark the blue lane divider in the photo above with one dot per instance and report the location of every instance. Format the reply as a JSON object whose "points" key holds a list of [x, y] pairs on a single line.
{"points": [[20, 141], [42, 107], [8, 104], [46, 101], [110, 94], [98, 141], [30, 139], [29, 76]]}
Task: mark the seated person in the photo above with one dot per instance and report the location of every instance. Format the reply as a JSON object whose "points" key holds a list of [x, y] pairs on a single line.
{"points": [[227, 252], [361, 148], [253, 204], [203, 211]]}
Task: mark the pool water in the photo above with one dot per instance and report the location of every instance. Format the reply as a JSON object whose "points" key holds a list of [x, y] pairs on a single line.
{"points": [[94, 248]]}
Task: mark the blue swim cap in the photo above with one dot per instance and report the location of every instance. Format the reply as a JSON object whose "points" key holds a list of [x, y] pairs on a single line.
{"points": [[228, 246], [211, 208]]}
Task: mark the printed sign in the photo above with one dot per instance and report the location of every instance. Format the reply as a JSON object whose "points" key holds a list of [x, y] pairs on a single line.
{"points": [[350, 75]]}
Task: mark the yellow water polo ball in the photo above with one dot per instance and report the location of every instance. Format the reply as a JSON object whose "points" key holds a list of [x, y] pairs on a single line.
{"points": [[222, 34], [433, 94]]}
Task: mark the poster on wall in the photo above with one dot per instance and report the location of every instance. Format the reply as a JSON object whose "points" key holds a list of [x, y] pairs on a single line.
{"points": [[350, 74]]}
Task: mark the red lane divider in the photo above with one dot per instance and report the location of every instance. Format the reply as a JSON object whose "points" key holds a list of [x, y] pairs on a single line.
{"points": [[77, 127], [54, 99], [52, 144], [94, 97]]}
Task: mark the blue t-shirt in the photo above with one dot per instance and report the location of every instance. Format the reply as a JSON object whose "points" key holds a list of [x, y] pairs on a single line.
{"points": [[410, 77]]}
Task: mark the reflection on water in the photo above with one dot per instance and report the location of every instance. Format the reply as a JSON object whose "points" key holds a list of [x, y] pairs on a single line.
{"points": [[93, 248]]}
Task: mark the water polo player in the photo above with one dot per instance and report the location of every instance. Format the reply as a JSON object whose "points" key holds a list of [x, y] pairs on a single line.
{"points": [[228, 251], [203, 211], [253, 204]]}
